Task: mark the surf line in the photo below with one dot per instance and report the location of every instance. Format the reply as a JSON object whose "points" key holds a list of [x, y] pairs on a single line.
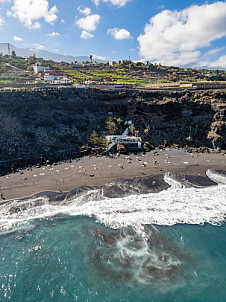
{"points": [[176, 205]]}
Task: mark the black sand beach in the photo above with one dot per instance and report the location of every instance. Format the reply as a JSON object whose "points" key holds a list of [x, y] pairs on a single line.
{"points": [[96, 171]]}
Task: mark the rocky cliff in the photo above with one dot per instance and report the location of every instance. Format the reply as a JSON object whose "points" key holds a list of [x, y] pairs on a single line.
{"points": [[37, 126]]}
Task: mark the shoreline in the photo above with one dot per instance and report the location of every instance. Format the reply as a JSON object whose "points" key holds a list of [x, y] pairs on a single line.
{"points": [[99, 170]]}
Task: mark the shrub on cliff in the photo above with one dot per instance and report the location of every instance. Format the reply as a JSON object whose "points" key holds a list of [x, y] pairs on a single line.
{"points": [[115, 125], [96, 141], [111, 126]]}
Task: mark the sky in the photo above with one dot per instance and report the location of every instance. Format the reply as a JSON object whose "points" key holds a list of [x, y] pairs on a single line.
{"points": [[170, 32]]}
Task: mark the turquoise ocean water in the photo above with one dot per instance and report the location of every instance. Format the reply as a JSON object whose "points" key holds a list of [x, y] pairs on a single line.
{"points": [[79, 259], [125, 241]]}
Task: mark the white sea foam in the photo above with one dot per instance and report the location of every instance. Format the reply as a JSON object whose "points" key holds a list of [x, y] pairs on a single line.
{"points": [[176, 205], [217, 177], [143, 261], [172, 182], [168, 207]]}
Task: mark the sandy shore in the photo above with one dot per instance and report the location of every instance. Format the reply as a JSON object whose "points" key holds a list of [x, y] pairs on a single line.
{"points": [[100, 170]]}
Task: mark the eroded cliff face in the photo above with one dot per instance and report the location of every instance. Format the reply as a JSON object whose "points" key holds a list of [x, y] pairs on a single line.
{"points": [[35, 126], [183, 118]]}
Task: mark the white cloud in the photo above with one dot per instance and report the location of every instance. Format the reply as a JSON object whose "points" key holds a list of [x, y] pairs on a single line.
{"points": [[62, 21], [28, 11], [215, 50], [97, 2], [86, 11], [89, 23], [15, 38], [175, 37], [86, 35], [38, 46], [99, 57], [119, 3], [4, 1], [119, 34], [161, 7], [54, 34], [2, 22], [219, 63]]}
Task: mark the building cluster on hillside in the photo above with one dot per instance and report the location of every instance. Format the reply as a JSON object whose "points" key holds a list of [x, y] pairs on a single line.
{"points": [[32, 70], [46, 76], [130, 142], [30, 58]]}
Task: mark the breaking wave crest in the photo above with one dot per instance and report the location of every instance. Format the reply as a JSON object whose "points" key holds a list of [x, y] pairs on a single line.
{"points": [[178, 204]]}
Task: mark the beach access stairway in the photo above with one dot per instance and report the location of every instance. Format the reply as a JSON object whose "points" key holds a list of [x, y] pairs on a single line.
{"points": [[112, 144]]}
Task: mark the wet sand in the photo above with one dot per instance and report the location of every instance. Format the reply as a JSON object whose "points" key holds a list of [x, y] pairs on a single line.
{"points": [[100, 170]]}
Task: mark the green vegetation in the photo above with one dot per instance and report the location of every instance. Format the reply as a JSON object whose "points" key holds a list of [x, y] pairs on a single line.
{"points": [[119, 75], [15, 61], [5, 82], [96, 141], [115, 125], [15, 70], [111, 126], [123, 72], [127, 72]]}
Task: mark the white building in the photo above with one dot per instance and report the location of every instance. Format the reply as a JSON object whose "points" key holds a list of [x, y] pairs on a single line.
{"points": [[30, 58], [38, 68], [111, 63], [124, 140], [56, 79]]}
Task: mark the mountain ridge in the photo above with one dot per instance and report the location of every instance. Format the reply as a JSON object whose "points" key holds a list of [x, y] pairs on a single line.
{"points": [[45, 54]]}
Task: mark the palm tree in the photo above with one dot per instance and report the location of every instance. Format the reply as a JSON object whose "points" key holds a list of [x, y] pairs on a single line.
{"points": [[13, 54], [146, 131], [132, 129]]}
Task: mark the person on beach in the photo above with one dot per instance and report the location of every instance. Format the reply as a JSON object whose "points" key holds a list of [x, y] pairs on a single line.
{"points": [[2, 196], [59, 191]]}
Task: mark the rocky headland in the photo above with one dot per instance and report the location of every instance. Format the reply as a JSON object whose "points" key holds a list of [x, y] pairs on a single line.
{"points": [[37, 127]]}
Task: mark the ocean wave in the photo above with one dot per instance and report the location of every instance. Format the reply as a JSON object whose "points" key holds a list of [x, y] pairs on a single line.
{"points": [[178, 204], [154, 260]]}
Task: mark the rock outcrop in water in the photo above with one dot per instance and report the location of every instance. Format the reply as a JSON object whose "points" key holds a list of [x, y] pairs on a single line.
{"points": [[53, 125]]}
